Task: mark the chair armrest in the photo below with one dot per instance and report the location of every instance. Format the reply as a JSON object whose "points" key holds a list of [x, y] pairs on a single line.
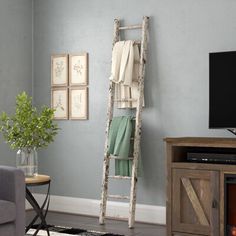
{"points": [[12, 184], [12, 188]]}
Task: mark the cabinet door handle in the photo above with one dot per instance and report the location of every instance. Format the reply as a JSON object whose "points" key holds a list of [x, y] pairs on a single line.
{"points": [[214, 203]]}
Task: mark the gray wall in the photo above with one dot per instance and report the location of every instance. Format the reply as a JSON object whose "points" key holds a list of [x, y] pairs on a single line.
{"points": [[182, 33], [15, 59]]}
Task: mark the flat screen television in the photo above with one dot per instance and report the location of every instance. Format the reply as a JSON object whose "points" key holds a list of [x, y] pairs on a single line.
{"points": [[222, 94]]}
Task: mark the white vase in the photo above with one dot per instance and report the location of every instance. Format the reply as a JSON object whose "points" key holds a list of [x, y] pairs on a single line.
{"points": [[27, 161]]}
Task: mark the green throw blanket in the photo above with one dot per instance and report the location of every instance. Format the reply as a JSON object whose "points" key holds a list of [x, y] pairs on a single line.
{"points": [[119, 143]]}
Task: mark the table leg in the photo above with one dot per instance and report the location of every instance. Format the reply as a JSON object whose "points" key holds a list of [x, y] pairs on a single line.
{"points": [[39, 210]]}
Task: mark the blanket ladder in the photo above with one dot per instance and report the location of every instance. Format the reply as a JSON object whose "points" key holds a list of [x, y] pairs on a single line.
{"points": [[137, 135]]}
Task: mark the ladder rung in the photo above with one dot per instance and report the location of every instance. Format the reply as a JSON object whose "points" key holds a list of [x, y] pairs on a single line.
{"points": [[120, 158], [126, 100], [118, 197], [119, 177], [137, 41], [117, 217], [130, 27]]}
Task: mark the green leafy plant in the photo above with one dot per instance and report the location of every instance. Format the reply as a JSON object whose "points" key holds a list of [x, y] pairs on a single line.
{"points": [[28, 128]]}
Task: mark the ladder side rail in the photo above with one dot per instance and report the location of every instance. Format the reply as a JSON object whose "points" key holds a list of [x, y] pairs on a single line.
{"points": [[138, 123], [116, 36]]}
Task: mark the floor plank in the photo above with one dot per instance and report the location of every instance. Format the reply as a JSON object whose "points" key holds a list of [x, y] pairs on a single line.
{"points": [[91, 223]]}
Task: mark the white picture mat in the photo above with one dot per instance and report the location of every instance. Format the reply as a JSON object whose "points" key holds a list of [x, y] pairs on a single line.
{"points": [[59, 70], [78, 103], [78, 69], [60, 103]]}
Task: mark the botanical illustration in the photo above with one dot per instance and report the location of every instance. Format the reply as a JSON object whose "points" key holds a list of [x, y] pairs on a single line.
{"points": [[78, 69], [59, 70], [78, 103], [60, 103]]}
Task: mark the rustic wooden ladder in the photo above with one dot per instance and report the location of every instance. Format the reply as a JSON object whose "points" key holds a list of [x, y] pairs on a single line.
{"points": [[137, 135]]}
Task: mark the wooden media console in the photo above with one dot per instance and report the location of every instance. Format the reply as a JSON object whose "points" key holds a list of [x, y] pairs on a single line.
{"points": [[196, 192]]}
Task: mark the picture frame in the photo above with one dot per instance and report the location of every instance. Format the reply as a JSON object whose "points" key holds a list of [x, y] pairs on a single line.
{"points": [[59, 70], [78, 103], [78, 69], [59, 102]]}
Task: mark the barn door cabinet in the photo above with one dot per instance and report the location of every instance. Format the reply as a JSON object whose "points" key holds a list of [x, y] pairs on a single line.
{"points": [[195, 191], [195, 201]]}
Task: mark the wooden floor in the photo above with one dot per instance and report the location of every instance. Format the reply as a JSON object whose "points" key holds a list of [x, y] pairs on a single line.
{"points": [[91, 223]]}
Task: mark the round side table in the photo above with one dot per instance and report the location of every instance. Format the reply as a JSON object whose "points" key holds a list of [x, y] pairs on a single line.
{"points": [[41, 211]]}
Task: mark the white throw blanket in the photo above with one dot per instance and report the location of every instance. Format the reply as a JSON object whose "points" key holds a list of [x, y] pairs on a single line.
{"points": [[124, 72]]}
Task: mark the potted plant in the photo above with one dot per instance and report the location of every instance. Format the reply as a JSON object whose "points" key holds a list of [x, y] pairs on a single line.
{"points": [[28, 130]]}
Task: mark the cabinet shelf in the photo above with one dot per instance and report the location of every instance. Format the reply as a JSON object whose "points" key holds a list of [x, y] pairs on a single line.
{"points": [[203, 166]]}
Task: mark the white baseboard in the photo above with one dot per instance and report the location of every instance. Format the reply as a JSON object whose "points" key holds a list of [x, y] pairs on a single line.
{"points": [[82, 206]]}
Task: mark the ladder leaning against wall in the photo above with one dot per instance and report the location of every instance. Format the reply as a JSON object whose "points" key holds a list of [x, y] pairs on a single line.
{"points": [[134, 177]]}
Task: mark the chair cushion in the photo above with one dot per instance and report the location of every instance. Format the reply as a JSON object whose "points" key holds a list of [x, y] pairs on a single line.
{"points": [[7, 211], [8, 229]]}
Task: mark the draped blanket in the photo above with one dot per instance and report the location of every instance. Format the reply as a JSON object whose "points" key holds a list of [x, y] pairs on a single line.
{"points": [[120, 144], [124, 72]]}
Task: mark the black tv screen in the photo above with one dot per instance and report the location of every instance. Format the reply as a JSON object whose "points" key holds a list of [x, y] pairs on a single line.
{"points": [[222, 103]]}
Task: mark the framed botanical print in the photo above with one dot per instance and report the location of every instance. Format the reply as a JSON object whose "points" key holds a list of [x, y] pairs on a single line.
{"points": [[60, 103], [78, 103], [78, 69], [59, 70]]}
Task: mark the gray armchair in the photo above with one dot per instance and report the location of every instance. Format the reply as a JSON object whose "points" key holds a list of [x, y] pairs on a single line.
{"points": [[12, 202]]}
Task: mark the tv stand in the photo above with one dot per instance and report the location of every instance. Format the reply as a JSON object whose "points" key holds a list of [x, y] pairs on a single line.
{"points": [[195, 191]]}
